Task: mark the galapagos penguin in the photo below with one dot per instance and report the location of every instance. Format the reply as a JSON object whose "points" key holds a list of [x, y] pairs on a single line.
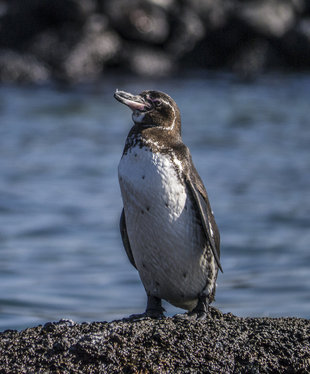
{"points": [[167, 225]]}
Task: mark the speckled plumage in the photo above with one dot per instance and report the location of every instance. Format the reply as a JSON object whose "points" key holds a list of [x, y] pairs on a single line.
{"points": [[167, 225]]}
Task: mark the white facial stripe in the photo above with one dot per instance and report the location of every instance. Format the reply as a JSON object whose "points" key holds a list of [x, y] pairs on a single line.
{"points": [[174, 116]]}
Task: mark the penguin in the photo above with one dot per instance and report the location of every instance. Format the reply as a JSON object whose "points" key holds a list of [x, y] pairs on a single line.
{"points": [[167, 226]]}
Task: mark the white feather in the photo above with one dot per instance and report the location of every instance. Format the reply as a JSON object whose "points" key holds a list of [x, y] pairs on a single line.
{"points": [[167, 242]]}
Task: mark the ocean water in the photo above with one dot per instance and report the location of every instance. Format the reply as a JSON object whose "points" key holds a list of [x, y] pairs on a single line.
{"points": [[60, 249]]}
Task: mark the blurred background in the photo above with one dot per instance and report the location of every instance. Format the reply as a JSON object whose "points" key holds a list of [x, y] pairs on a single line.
{"points": [[239, 71]]}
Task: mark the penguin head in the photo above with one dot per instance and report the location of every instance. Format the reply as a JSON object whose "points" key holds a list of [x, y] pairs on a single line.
{"points": [[152, 109]]}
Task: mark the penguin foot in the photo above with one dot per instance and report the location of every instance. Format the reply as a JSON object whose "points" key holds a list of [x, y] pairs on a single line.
{"points": [[199, 313], [153, 310], [154, 314], [192, 316]]}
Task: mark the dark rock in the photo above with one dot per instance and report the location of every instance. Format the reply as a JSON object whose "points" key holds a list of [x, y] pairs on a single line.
{"points": [[52, 45], [188, 29], [306, 8], [138, 20], [75, 40], [222, 343], [220, 45], [214, 14], [253, 58], [78, 54], [24, 19], [148, 61], [96, 47], [268, 17], [296, 45], [17, 67]]}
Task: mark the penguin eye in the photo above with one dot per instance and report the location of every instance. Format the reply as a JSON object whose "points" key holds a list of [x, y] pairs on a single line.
{"points": [[157, 103]]}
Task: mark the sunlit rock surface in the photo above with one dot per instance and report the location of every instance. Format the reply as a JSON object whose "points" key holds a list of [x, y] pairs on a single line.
{"points": [[222, 343]]}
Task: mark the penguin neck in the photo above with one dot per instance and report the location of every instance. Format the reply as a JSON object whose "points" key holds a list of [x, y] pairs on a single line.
{"points": [[166, 138], [153, 137]]}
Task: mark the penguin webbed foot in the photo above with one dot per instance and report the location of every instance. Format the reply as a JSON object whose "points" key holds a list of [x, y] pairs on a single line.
{"points": [[147, 314], [199, 313], [153, 310], [192, 316]]}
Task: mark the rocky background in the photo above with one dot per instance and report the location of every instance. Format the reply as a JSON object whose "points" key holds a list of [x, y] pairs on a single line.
{"points": [[79, 40], [222, 343]]}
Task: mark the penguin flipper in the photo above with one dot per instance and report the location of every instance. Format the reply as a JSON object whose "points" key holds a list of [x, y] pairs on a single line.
{"points": [[203, 209], [125, 239]]}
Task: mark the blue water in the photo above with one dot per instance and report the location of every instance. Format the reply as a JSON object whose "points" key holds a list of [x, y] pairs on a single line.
{"points": [[60, 249]]}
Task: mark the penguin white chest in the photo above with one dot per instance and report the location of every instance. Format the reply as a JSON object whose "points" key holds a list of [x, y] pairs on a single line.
{"points": [[149, 180], [166, 238]]}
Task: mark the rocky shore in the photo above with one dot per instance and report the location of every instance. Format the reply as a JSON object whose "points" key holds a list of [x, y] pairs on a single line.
{"points": [[73, 41], [223, 343]]}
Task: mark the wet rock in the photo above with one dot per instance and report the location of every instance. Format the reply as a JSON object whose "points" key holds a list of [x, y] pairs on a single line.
{"points": [[222, 343]]}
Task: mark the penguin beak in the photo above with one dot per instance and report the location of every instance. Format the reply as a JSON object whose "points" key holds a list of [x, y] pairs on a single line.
{"points": [[134, 102]]}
